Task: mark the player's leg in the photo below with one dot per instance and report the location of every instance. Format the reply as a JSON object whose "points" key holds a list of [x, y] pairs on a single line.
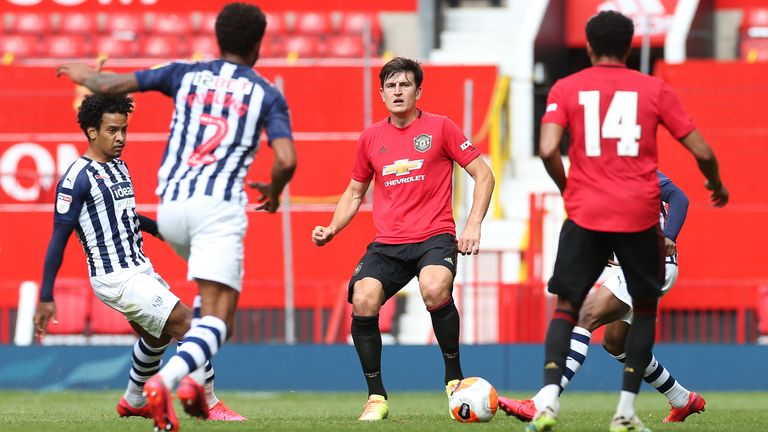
{"points": [[581, 257], [378, 276], [199, 345], [147, 303], [437, 269], [146, 357], [642, 259], [217, 409], [367, 298], [601, 306], [214, 230], [682, 401]]}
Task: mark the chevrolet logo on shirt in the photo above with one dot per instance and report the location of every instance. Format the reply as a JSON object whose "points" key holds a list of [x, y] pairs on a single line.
{"points": [[402, 167]]}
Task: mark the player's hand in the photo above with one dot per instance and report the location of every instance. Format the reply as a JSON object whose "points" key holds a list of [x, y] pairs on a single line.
{"points": [[670, 246], [44, 312], [322, 235], [469, 241], [719, 195], [268, 201], [77, 72]]}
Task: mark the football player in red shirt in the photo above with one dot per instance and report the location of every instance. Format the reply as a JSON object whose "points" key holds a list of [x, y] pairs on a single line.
{"points": [[409, 155], [612, 198]]}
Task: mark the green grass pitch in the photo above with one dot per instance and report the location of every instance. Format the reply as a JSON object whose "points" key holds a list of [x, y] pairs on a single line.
{"points": [[94, 411]]}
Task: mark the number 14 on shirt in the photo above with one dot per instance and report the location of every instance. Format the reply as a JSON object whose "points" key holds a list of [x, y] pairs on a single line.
{"points": [[620, 123]]}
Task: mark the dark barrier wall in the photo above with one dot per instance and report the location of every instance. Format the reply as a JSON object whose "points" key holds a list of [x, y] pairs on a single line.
{"points": [[405, 368]]}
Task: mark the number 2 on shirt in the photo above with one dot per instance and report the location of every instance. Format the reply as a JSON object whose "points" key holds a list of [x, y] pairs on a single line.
{"points": [[203, 154], [620, 122]]}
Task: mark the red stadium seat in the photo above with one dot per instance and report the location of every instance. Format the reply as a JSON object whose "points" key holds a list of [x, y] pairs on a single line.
{"points": [[203, 45], [272, 47], [112, 47], [31, 23], [105, 320], [303, 46], [754, 50], [171, 23], [72, 301], [66, 46], [124, 25], [19, 45], [345, 46], [312, 23], [275, 24], [78, 23], [353, 23], [161, 46], [207, 23]]}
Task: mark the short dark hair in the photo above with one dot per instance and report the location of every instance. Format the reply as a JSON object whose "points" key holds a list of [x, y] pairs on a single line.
{"points": [[610, 34], [401, 64], [239, 28], [93, 108]]}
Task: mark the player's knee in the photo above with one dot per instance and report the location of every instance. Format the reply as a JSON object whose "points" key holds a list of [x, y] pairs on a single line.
{"points": [[366, 300], [612, 347], [434, 292], [588, 319]]}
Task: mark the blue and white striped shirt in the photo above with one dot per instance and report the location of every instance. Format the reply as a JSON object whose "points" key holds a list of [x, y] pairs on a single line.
{"points": [[220, 109], [97, 198]]}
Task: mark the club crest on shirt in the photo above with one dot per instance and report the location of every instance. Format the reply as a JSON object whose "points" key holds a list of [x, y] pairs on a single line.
{"points": [[62, 202], [422, 143]]}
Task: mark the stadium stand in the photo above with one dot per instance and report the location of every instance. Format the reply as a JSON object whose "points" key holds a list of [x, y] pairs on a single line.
{"points": [[77, 23], [300, 34], [66, 46]]}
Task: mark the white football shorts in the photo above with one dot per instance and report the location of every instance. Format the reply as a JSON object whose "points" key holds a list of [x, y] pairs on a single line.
{"points": [[138, 293], [617, 284], [208, 233]]}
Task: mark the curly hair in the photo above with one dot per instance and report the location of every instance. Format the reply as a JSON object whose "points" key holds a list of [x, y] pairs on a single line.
{"points": [[93, 108], [401, 64], [239, 28], [610, 34]]}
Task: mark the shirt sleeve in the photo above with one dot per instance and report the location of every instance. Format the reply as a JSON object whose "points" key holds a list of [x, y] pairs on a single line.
{"points": [[53, 258], [164, 78], [555, 112], [678, 207], [362, 170], [674, 117], [278, 118], [70, 196], [458, 147], [148, 225]]}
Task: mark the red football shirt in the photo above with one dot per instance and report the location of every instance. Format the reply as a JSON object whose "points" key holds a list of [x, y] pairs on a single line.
{"points": [[612, 113], [412, 170]]}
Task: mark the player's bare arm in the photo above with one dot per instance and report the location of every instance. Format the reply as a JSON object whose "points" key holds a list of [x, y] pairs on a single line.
{"points": [[346, 209], [96, 81], [283, 168], [469, 241], [549, 152], [708, 166]]}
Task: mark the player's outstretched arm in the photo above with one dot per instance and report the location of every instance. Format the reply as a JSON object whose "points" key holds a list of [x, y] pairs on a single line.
{"points": [[97, 82], [346, 209], [549, 152], [283, 168], [469, 241], [708, 166], [46, 308]]}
